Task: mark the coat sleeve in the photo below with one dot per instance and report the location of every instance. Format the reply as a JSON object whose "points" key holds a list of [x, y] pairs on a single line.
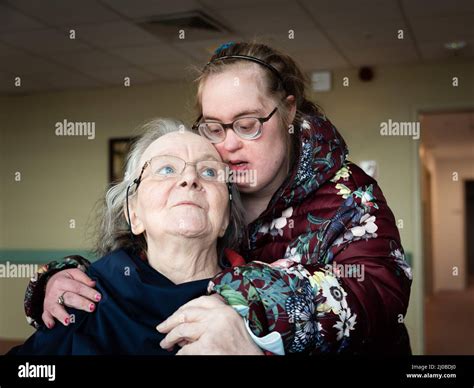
{"points": [[346, 291], [35, 291]]}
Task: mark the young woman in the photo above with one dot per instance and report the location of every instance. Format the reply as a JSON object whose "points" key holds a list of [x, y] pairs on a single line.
{"points": [[326, 268]]}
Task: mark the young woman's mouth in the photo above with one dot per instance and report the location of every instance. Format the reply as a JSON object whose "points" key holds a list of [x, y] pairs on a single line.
{"points": [[238, 165]]}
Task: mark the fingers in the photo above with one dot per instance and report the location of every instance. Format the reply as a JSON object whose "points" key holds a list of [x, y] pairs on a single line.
{"points": [[60, 313], [180, 345], [55, 310], [75, 293], [80, 276], [79, 288], [182, 315], [189, 349], [78, 302], [206, 301], [48, 320], [191, 311], [71, 300], [64, 284], [189, 332]]}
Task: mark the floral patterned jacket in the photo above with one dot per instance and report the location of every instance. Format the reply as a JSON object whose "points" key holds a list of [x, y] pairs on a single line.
{"points": [[326, 269]]}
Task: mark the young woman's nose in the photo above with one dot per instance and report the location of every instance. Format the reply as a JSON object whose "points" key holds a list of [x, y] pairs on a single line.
{"points": [[232, 142]]}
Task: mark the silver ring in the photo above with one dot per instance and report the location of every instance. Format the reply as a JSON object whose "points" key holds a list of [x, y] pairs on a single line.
{"points": [[61, 299]]}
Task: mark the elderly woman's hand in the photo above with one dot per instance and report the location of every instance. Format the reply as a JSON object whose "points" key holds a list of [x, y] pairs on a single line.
{"points": [[75, 288], [207, 325]]}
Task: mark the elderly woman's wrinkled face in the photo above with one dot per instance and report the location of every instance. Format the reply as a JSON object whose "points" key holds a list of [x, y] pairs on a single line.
{"points": [[186, 204]]}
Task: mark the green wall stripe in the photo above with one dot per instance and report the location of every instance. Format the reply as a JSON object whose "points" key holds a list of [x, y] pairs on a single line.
{"points": [[40, 256]]}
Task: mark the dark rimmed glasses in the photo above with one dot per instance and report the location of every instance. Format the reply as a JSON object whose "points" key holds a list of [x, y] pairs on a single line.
{"points": [[248, 128]]}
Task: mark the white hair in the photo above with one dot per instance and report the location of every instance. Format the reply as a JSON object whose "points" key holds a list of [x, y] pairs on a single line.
{"points": [[113, 229]]}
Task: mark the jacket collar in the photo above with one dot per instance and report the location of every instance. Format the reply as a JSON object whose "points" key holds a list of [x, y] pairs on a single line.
{"points": [[321, 154]]}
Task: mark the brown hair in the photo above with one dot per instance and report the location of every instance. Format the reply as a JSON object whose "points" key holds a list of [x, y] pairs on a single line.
{"points": [[292, 81]]}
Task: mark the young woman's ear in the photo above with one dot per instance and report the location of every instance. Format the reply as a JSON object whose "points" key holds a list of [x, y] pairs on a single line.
{"points": [[290, 100]]}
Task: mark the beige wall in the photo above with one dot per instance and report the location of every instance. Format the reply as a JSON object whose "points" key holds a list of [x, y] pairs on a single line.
{"points": [[63, 177], [13, 323]]}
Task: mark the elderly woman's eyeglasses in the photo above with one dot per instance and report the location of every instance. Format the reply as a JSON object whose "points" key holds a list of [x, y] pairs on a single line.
{"points": [[248, 128], [164, 167], [167, 166]]}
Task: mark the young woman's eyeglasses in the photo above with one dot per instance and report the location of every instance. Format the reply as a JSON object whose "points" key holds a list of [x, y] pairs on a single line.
{"points": [[248, 128]]}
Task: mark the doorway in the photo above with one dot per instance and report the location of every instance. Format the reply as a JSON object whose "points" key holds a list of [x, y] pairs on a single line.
{"points": [[469, 229], [447, 190]]}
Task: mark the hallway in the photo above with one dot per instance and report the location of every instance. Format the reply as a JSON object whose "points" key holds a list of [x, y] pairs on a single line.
{"points": [[449, 322]]}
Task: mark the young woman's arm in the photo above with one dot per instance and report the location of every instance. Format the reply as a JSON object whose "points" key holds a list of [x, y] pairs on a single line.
{"points": [[53, 280], [345, 289], [315, 311]]}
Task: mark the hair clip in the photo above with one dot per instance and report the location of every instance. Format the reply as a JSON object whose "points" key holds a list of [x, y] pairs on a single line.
{"points": [[223, 47]]}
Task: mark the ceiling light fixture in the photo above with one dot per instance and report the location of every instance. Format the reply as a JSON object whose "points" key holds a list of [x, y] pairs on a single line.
{"points": [[455, 45]]}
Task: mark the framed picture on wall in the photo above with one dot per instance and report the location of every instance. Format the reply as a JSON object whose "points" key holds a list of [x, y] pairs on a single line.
{"points": [[118, 151]]}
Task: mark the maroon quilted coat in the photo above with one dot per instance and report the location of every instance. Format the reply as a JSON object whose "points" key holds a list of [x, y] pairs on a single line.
{"points": [[330, 273]]}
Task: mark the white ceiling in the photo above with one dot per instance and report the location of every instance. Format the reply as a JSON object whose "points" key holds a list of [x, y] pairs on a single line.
{"points": [[110, 45]]}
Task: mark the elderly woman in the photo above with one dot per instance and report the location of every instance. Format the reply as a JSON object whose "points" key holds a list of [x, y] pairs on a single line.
{"points": [[177, 200]]}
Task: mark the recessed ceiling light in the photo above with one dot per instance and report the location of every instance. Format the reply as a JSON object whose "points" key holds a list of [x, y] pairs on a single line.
{"points": [[455, 45]]}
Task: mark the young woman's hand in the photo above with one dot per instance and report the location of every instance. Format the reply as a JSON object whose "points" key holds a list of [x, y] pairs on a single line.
{"points": [[205, 326], [74, 288]]}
